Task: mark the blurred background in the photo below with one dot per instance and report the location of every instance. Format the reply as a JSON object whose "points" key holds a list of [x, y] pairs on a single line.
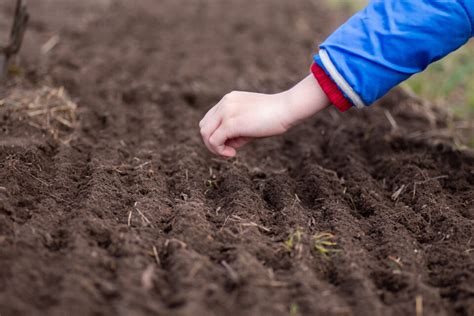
{"points": [[447, 83]]}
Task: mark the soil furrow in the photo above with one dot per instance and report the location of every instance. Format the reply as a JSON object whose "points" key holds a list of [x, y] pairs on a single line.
{"points": [[343, 215]]}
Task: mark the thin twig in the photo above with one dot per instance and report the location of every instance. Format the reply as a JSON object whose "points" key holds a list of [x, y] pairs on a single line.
{"points": [[141, 214]]}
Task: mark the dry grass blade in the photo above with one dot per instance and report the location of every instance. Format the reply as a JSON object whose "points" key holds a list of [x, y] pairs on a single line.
{"points": [[144, 218], [50, 109], [391, 120], [416, 183], [155, 254], [397, 193], [419, 305], [129, 221], [50, 44], [244, 223], [142, 165], [234, 277]]}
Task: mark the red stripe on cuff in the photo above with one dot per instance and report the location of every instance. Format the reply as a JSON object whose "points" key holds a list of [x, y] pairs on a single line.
{"points": [[329, 87]]}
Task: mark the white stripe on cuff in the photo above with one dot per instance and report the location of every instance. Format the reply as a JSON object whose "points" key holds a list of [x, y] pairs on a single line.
{"points": [[339, 80]]}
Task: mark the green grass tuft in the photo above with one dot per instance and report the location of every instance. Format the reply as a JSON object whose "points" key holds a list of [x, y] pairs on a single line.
{"points": [[324, 244], [293, 239], [294, 309]]}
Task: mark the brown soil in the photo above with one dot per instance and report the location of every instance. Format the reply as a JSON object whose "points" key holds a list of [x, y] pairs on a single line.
{"points": [[126, 213]]}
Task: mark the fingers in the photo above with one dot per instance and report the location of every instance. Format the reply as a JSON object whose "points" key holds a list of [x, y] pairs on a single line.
{"points": [[218, 140], [209, 114], [217, 109], [217, 128], [237, 142], [208, 129], [209, 124]]}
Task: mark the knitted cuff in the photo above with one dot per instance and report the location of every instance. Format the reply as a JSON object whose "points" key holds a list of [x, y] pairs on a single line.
{"points": [[329, 87]]}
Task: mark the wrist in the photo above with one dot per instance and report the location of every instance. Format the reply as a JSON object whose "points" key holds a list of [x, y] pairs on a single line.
{"points": [[303, 100]]}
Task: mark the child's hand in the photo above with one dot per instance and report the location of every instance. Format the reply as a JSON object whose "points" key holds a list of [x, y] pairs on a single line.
{"points": [[242, 116]]}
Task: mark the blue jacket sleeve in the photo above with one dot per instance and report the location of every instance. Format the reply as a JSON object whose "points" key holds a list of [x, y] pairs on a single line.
{"points": [[389, 41]]}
